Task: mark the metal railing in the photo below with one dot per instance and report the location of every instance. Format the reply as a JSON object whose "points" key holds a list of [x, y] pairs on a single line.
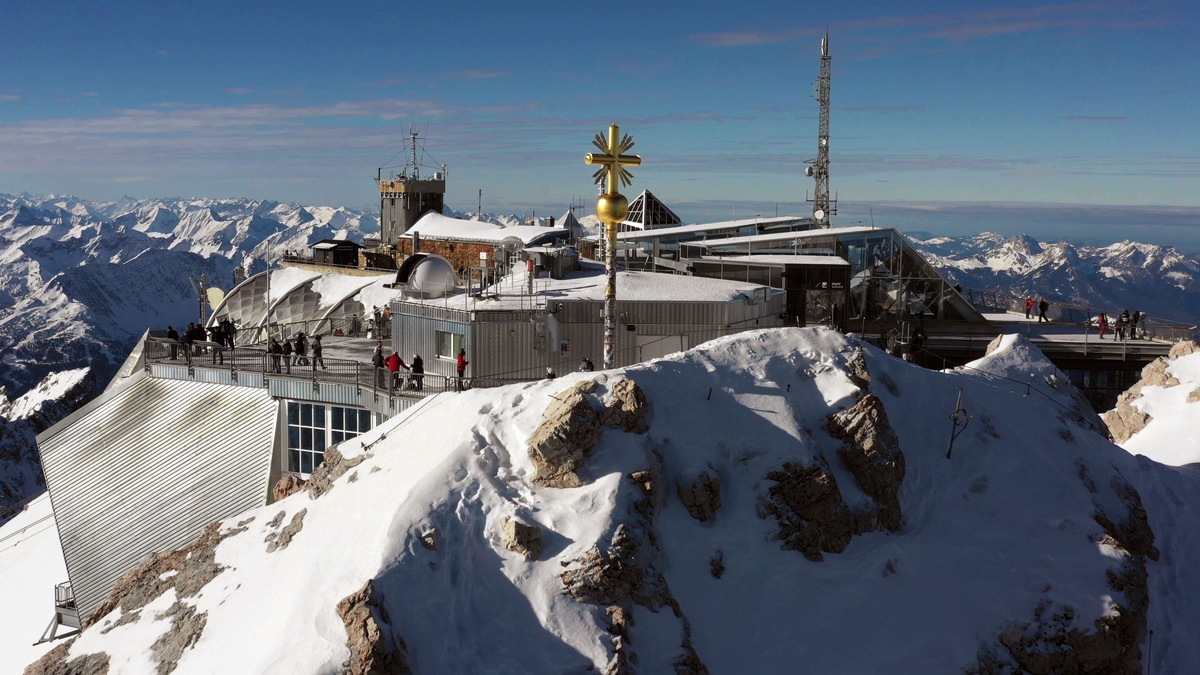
{"points": [[318, 370], [1150, 328]]}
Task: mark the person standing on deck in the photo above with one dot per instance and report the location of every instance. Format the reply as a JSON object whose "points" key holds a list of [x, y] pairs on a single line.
{"points": [[1133, 324], [316, 356], [1042, 307], [1029, 307], [462, 366], [418, 372], [1102, 321]]}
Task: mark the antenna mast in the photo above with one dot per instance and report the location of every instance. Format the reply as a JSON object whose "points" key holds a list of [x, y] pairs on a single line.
{"points": [[823, 206], [412, 132]]}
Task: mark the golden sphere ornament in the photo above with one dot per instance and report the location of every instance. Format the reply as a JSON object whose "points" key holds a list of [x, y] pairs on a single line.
{"points": [[612, 208]]}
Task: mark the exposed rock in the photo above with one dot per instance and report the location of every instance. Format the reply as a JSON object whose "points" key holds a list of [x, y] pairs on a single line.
{"points": [[702, 498], [187, 571], [569, 430], [627, 408], [1124, 421], [1193, 395], [856, 369], [871, 450], [375, 647], [1049, 644], [54, 663], [607, 577], [522, 538], [993, 345], [429, 539], [329, 470], [281, 539], [1183, 348], [809, 508], [288, 485], [187, 625]]}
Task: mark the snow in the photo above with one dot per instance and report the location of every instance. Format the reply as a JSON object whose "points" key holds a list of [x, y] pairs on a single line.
{"points": [[1170, 437], [31, 564], [54, 387], [989, 533], [434, 225]]}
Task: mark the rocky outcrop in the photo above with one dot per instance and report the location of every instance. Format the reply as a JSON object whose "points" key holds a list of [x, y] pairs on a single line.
{"points": [[702, 497], [280, 538], [856, 369], [871, 450], [609, 576], [569, 430], [627, 408], [186, 571], [1052, 642], [522, 538], [808, 506], [55, 663], [571, 427], [375, 647], [287, 486], [332, 467], [1125, 420]]}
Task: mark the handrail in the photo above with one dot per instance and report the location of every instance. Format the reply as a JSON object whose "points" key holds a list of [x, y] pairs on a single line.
{"points": [[1080, 314], [330, 370]]}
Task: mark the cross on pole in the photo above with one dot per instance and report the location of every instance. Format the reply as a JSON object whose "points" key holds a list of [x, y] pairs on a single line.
{"points": [[612, 208], [612, 159]]}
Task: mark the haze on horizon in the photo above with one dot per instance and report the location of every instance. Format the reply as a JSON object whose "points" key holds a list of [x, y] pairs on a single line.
{"points": [[1066, 120]]}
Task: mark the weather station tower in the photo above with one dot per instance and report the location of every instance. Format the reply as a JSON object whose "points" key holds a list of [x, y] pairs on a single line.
{"points": [[818, 169], [405, 197]]}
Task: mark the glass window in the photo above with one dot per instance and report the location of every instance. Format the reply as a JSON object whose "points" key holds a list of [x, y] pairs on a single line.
{"points": [[312, 427], [448, 344]]}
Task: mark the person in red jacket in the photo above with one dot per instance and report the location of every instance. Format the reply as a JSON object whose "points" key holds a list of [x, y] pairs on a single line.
{"points": [[394, 364], [462, 367], [1029, 307]]}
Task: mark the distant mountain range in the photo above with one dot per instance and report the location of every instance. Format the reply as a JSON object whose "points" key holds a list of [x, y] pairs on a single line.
{"points": [[1157, 280], [82, 280]]}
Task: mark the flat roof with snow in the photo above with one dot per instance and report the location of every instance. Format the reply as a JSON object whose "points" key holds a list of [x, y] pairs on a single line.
{"points": [[434, 225]]}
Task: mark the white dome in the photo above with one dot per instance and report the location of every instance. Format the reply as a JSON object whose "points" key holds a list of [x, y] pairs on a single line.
{"points": [[433, 276]]}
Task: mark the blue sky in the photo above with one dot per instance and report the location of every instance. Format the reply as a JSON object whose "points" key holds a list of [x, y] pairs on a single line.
{"points": [[1084, 103]]}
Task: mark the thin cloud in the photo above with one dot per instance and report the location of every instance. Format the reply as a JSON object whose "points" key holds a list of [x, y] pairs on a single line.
{"points": [[386, 84], [1096, 118], [884, 109], [9, 97], [749, 38], [476, 74], [240, 91]]}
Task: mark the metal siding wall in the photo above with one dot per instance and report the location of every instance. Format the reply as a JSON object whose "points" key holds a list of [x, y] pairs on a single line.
{"points": [[146, 470], [302, 390], [417, 332]]}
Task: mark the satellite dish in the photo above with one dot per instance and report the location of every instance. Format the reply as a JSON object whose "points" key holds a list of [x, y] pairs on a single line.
{"points": [[215, 297], [819, 214]]}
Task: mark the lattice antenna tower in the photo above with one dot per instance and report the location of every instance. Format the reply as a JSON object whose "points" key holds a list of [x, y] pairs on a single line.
{"points": [[823, 206]]}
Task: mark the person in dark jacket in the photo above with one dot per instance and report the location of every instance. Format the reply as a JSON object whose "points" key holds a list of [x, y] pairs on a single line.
{"points": [[1122, 324], [1042, 307], [1133, 324], [276, 351], [418, 371], [287, 355], [173, 334], [316, 353], [301, 348]]}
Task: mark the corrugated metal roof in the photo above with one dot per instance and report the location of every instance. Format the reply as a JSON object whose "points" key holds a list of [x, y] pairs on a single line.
{"points": [[146, 469]]}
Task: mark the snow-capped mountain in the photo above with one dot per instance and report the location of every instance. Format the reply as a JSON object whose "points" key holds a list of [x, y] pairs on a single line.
{"points": [[1128, 275], [81, 280], [772, 502]]}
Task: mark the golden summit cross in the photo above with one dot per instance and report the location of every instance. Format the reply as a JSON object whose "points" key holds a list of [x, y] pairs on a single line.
{"points": [[612, 159]]}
